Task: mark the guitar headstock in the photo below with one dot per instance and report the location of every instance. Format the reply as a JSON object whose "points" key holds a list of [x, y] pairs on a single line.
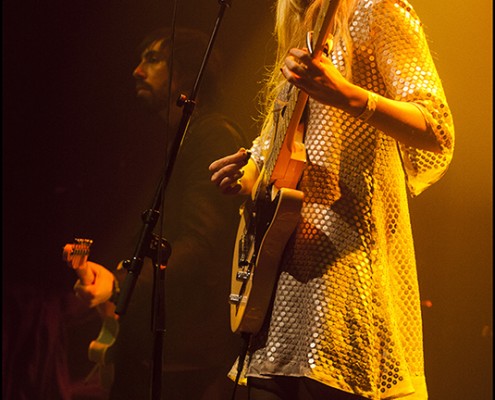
{"points": [[76, 254]]}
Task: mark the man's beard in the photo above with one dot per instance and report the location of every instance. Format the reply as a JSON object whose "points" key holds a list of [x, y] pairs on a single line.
{"points": [[152, 103]]}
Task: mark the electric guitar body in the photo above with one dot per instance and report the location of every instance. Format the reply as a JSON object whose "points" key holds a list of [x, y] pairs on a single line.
{"points": [[264, 229], [76, 256], [270, 216]]}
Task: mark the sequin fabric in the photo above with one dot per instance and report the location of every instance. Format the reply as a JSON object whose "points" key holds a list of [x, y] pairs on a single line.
{"points": [[346, 311]]}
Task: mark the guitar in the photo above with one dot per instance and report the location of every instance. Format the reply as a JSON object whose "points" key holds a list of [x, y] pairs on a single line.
{"points": [[76, 255], [268, 218]]}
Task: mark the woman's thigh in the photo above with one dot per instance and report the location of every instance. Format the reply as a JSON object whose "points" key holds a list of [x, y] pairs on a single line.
{"points": [[310, 389], [276, 388], [292, 388]]}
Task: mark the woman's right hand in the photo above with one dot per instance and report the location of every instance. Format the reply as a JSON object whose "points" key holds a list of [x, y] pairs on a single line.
{"points": [[234, 174]]}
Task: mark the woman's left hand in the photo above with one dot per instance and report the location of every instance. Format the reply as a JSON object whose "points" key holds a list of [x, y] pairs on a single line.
{"points": [[319, 78]]}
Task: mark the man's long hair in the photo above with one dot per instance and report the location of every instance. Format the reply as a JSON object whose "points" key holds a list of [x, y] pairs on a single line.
{"points": [[189, 48]]}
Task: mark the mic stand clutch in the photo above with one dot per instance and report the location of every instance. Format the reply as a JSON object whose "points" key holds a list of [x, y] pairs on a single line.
{"points": [[146, 237]]}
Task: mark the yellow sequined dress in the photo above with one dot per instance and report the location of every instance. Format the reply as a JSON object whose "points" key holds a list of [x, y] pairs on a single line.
{"points": [[347, 310]]}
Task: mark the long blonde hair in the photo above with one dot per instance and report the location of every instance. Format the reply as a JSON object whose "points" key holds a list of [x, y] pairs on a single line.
{"points": [[293, 19]]}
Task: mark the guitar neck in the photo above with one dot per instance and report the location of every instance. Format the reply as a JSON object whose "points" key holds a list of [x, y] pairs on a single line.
{"points": [[324, 25], [287, 133], [287, 153]]}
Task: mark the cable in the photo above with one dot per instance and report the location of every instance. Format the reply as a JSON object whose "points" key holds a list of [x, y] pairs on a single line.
{"points": [[240, 364]]}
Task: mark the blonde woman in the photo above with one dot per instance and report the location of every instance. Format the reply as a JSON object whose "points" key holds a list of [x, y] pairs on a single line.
{"points": [[345, 320]]}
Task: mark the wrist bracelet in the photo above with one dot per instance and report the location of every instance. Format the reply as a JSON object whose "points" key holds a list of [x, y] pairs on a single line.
{"points": [[370, 107]]}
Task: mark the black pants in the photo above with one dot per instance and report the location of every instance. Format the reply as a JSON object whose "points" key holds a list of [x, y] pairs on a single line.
{"points": [[291, 388]]}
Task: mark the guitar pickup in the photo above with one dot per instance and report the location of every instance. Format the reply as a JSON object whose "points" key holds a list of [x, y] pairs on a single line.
{"points": [[243, 251]]}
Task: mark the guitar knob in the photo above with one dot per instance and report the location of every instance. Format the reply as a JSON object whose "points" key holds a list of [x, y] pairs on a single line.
{"points": [[235, 299]]}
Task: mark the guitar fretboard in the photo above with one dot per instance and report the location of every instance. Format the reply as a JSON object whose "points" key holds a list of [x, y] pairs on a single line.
{"points": [[288, 112]]}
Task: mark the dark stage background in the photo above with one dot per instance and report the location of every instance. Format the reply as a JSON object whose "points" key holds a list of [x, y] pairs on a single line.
{"points": [[80, 157]]}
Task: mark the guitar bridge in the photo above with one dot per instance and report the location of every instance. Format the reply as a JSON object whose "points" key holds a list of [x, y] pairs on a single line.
{"points": [[235, 299], [243, 276]]}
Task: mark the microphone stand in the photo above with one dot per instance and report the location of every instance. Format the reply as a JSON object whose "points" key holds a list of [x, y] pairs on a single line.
{"points": [[154, 246]]}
